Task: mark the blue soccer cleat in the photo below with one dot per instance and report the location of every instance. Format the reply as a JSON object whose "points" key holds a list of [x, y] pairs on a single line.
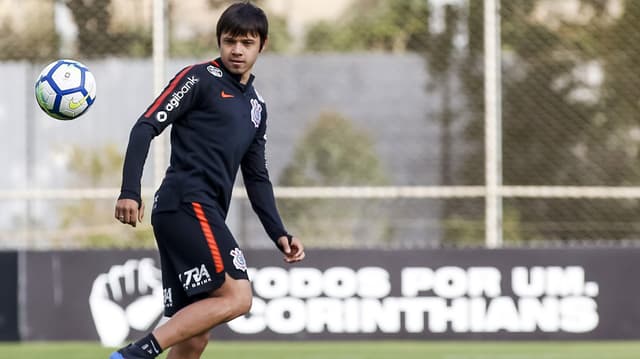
{"points": [[130, 352]]}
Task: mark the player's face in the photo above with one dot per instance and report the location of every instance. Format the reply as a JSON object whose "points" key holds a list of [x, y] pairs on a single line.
{"points": [[239, 53]]}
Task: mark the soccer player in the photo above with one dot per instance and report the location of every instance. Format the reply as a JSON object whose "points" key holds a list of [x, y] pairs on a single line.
{"points": [[219, 124]]}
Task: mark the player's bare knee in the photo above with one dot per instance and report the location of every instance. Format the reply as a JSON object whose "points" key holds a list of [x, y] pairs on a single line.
{"points": [[244, 304], [240, 303]]}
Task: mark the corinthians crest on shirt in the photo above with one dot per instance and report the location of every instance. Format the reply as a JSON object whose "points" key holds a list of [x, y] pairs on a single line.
{"points": [[256, 112]]}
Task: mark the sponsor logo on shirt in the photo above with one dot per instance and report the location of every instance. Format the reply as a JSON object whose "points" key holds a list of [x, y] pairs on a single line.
{"points": [[176, 98], [215, 71]]}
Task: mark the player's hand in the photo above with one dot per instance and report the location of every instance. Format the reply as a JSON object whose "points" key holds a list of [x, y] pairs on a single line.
{"points": [[293, 250], [127, 211]]}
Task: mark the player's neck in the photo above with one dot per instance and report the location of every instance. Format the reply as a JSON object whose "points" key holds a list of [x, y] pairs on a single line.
{"points": [[244, 78]]}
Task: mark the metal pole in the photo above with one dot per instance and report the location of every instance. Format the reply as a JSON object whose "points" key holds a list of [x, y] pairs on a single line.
{"points": [[160, 45], [30, 162], [493, 124]]}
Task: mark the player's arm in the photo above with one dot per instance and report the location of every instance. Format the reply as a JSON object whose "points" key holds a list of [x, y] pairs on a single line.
{"points": [[260, 192], [176, 99]]}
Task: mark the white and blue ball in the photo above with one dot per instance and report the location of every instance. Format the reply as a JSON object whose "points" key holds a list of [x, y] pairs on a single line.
{"points": [[65, 89]]}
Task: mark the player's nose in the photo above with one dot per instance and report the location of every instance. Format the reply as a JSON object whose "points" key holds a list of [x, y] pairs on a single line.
{"points": [[236, 49]]}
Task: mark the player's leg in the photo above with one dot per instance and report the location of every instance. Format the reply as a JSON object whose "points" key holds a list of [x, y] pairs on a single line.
{"points": [[231, 295], [231, 300], [191, 348], [204, 277]]}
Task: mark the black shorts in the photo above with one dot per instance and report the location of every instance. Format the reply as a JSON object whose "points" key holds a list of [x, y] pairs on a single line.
{"points": [[196, 250]]}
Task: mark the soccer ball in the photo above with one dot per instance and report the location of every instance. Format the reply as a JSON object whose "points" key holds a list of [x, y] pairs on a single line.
{"points": [[65, 89]]}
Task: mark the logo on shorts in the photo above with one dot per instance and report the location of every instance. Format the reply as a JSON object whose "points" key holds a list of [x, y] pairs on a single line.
{"points": [[168, 298], [195, 277], [238, 259]]}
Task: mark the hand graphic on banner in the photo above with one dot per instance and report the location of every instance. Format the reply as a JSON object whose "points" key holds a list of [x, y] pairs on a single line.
{"points": [[127, 296]]}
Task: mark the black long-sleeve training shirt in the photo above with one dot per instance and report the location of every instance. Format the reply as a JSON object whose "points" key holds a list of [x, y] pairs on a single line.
{"points": [[219, 125]]}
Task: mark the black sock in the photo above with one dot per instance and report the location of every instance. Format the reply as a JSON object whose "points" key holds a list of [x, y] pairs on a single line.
{"points": [[150, 345]]}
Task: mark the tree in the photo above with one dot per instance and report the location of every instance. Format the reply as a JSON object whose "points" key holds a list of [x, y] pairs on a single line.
{"points": [[551, 134], [446, 63], [333, 153], [615, 122], [96, 37], [397, 26], [404, 26], [90, 222], [464, 223], [30, 37], [92, 18]]}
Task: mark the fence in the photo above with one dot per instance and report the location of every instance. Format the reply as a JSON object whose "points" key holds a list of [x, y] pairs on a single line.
{"points": [[377, 115]]}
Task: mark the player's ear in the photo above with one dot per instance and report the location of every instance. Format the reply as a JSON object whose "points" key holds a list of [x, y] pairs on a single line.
{"points": [[264, 44]]}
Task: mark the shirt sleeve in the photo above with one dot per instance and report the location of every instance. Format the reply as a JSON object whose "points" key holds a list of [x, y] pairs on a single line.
{"points": [[259, 187], [135, 157], [175, 100]]}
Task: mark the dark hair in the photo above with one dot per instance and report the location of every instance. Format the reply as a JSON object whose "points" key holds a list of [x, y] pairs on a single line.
{"points": [[241, 19]]}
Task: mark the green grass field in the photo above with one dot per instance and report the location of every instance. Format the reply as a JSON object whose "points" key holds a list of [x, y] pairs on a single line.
{"points": [[355, 350]]}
